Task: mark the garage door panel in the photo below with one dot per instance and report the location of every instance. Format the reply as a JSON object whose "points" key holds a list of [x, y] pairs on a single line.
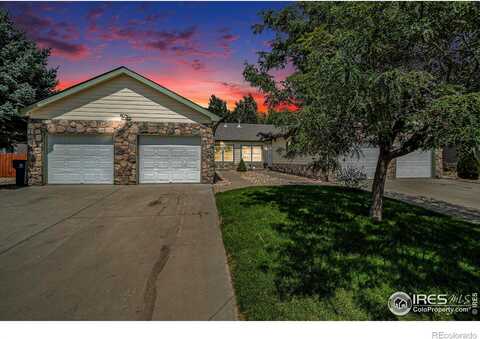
{"points": [[417, 164], [185, 163], [184, 176], [185, 151], [170, 160], [155, 176], [71, 161], [366, 161]]}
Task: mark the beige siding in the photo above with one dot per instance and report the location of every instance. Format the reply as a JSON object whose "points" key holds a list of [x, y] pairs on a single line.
{"points": [[122, 94], [278, 152]]}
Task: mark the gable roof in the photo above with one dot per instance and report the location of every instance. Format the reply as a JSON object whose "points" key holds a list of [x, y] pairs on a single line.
{"points": [[246, 132], [110, 75]]}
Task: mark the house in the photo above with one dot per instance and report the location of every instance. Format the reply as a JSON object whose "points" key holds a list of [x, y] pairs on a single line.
{"points": [[236, 141], [121, 128]]}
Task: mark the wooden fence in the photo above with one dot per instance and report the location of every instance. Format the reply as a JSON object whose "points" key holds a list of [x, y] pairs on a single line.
{"points": [[6, 169]]}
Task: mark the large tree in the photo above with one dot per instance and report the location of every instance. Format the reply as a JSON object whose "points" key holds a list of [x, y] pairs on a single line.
{"points": [[245, 111], [398, 76], [24, 79], [218, 106], [280, 117]]}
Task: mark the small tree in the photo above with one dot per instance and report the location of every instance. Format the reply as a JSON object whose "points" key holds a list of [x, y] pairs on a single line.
{"points": [[241, 166], [394, 75], [24, 79]]}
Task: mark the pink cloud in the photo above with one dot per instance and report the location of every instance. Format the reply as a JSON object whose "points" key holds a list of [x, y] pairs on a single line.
{"points": [[229, 37], [64, 30], [149, 39], [29, 21], [50, 34], [195, 64], [93, 15], [139, 34], [64, 49], [226, 39]]}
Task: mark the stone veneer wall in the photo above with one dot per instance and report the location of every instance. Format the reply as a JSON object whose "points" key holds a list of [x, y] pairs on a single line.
{"points": [[125, 136], [304, 170], [438, 163]]}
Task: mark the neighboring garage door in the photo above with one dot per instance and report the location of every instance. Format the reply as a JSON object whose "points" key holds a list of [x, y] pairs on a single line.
{"points": [[80, 159], [417, 164], [169, 159], [366, 161]]}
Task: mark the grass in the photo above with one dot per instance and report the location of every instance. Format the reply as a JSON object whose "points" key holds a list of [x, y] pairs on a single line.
{"points": [[312, 253]]}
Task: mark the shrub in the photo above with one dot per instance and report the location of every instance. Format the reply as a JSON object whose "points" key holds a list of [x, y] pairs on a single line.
{"points": [[351, 177], [467, 166], [241, 166]]}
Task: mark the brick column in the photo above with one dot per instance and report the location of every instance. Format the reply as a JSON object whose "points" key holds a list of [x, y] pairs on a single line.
{"points": [[125, 159], [36, 144], [208, 156]]}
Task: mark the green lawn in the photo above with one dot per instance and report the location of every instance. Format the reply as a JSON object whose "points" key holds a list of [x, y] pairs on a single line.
{"points": [[312, 253]]}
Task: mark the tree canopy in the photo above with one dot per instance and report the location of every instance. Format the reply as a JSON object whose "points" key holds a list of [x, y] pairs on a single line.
{"points": [[245, 111], [280, 117], [218, 106], [400, 76], [24, 79]]}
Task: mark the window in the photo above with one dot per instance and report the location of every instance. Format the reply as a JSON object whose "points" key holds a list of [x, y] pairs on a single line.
{"points": [[218, 152], [228, 153], [223, 152], [256, 153], [247, 153], [252, 153]]}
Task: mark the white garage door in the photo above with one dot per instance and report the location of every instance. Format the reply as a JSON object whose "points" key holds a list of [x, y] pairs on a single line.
{"points": [[417, 164], [169, 159], [366, 162], [80, 160]]}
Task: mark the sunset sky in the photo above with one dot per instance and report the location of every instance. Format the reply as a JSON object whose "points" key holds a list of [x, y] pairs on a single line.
{"points": [[193, 48]]}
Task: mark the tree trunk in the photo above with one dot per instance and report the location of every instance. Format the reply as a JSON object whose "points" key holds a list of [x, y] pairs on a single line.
{"points": [[378, 187]]}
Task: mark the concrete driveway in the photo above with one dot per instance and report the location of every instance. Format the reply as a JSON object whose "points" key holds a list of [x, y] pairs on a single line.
{"points": [[112, 253], [456, 192]]}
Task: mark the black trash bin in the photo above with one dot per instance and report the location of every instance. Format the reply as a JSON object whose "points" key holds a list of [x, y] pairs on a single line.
{"points": [[20, 169]]}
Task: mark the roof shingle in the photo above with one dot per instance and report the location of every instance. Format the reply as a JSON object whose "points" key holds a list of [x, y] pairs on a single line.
{"points": [[243, 132]]}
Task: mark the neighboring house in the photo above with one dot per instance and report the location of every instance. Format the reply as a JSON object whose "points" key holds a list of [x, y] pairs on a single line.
{"points": [[236, 141], [121, 128]]}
